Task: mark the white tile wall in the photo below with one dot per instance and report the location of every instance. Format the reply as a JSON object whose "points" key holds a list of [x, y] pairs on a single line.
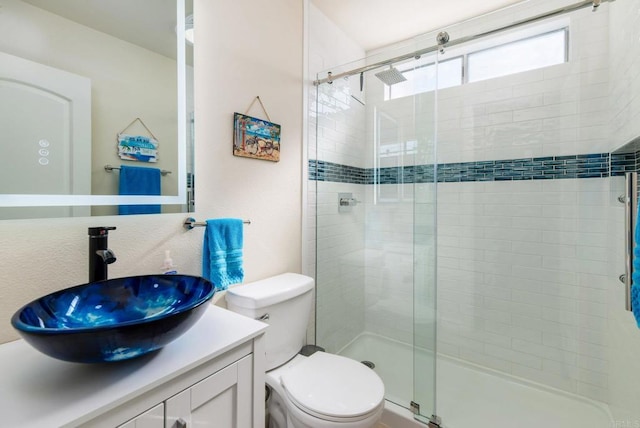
{"points": [[340, 268], [625, 72], [536, 113], [389, 265], [559, 110], [515, 298]]}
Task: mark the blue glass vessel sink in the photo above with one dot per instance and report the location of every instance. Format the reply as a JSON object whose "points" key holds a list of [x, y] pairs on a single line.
{"points": [[115, 319]]}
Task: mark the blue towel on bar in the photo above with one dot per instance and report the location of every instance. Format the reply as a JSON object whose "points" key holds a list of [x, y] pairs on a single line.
{"points": [[635, 284], [136, 180], [222, 252]]}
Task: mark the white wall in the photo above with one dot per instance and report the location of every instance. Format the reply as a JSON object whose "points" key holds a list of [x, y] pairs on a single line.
{"points": [[234, 63], [266, 61]]}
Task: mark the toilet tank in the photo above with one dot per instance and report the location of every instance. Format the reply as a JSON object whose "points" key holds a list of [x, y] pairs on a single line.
{"points": [[284, 302]]}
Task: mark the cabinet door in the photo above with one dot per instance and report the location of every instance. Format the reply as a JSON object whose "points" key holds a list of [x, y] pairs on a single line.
{"points": [[152, 418], [223, 400]]}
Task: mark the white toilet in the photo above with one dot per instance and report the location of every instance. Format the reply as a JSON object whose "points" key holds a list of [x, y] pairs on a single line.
{"points": [[322, 390]]}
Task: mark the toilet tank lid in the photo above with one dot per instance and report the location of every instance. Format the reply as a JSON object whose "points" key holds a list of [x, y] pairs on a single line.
{"points": [[269, 291]]}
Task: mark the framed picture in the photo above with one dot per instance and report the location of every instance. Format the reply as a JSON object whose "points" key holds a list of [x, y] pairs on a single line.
{"points": [[137, 148], [255, 138]]}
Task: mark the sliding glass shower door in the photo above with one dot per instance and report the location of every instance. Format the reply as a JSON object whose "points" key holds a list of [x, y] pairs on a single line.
{"points": [[371, 165], [424, 239]]}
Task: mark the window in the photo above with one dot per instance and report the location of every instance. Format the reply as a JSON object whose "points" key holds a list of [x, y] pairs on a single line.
{"points": [[523, 55], [530, 52]]}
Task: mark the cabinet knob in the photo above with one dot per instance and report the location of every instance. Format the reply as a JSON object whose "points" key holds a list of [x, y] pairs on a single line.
{"points": [[181, 423]]}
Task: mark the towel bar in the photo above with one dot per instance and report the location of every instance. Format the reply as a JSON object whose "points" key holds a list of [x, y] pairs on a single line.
{"points": [[110, 168], [191, 222], [630, 201]]}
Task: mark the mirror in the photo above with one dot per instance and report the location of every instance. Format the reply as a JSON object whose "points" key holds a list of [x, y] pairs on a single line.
{"points": [[88, 84]]}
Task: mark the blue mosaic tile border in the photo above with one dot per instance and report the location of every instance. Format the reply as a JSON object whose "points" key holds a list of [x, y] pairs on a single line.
{"points": [[622, 163], [596, 165], [329, 171], [543, 168]]}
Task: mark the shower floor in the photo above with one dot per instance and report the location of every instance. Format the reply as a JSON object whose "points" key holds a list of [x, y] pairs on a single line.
{"points": [[470, 397]]}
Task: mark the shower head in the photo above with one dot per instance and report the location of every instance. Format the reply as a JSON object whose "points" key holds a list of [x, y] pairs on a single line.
{"points": [[391, 76]]}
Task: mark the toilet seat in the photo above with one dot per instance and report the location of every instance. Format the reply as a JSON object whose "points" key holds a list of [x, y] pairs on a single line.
{"points": [[333, 388]]}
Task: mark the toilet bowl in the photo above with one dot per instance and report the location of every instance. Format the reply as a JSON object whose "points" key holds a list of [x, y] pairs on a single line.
{"points": [[319, 391]]}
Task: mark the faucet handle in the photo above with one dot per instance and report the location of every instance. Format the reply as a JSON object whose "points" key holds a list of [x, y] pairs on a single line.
{"points": [[101, 230]]}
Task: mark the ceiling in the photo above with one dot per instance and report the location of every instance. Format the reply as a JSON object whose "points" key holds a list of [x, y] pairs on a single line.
{"points": [[376, 23], [370, 23], [147, 23]]}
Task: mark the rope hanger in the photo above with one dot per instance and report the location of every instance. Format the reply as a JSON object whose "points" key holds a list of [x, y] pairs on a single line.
{"points": [[257, 98], [137, 119]]}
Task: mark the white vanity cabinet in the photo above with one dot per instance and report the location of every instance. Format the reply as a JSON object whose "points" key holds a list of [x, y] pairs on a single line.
{"points": [[152, 418], [212, 376], [221, 400]]}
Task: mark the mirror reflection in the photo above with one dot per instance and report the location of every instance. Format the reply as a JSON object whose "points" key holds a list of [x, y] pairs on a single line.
{"points": [[89, 106]]}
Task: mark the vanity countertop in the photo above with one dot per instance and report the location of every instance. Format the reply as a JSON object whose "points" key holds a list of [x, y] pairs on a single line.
{"points": [[39, 391]]}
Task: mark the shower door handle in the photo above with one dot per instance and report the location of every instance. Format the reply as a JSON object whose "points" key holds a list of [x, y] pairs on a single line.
{"points": [[630, 201]]}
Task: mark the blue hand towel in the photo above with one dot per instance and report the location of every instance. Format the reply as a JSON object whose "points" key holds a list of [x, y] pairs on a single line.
{"points": [[222, 252], [635, 284], [135, 180]]}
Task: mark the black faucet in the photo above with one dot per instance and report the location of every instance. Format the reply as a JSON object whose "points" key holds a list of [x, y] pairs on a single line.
{"points": [[99, 255]]}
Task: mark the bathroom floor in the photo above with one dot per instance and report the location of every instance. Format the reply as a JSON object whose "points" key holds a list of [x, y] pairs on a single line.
{"points": [[468, 397]]}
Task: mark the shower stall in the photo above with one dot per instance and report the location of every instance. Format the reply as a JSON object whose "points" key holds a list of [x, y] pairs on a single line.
{"points": [[467, 236]]}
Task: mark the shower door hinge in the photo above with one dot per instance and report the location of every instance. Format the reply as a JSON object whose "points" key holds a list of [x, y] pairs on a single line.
{"points": [[414, 407]]}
